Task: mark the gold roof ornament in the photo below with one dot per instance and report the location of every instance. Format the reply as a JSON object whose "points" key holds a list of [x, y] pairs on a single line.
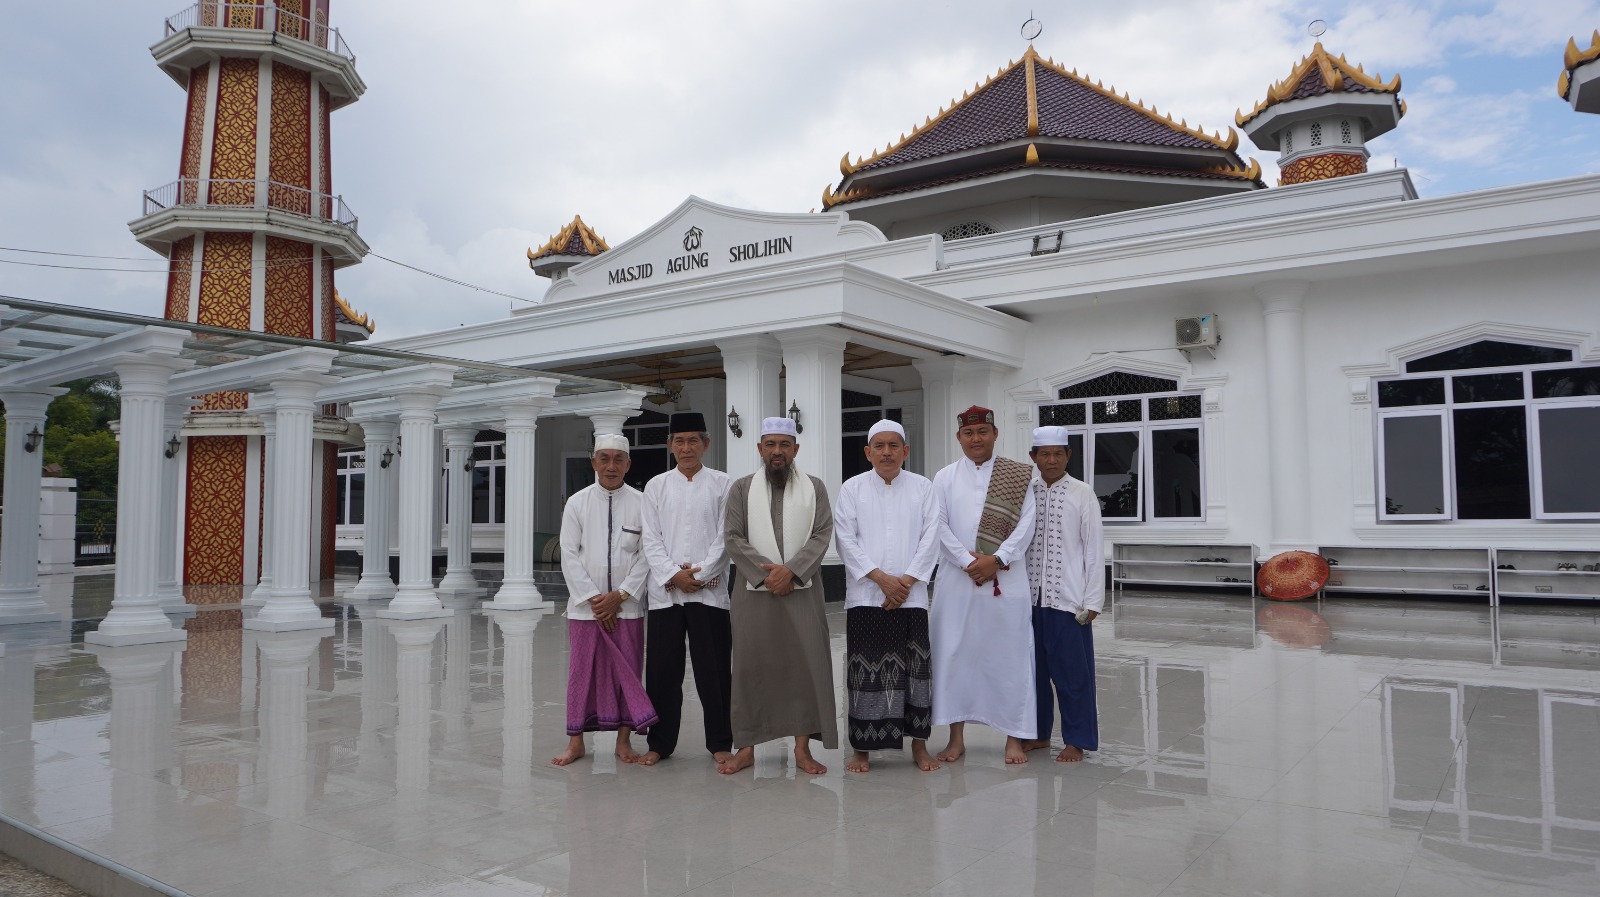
{"points": [[1031, 60], [1575, 57], [356, 317], [1338, 74], [588, 242]]}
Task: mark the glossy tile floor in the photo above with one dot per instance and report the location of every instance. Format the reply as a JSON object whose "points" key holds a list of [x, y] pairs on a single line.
{"points": [[1249, 748]]}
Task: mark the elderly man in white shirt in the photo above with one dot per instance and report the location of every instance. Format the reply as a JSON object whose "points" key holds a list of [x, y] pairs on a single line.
{"points": [[603, 562], [684, 510], [1066, 568], [886, 525]]}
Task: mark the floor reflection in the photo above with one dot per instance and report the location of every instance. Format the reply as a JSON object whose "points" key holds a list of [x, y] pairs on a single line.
{"points": [[1350, 746]]}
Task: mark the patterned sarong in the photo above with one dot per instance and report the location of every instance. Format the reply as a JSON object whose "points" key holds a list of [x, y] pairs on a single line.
{"points": [[889, 676], [1002, 506], [604, 687]]}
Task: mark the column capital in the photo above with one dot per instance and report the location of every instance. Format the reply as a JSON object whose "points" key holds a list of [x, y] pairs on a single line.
{"points": [[1280, 296], [610, 421], [22, 403], [460, 437], [146, 375], [299, 389], [419, 401], [824, 337], [524, 412], [752, 346]]}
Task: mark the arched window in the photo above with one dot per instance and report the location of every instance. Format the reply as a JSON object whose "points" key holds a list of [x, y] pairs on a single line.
{"points": [[1491, 430], [1137, 440], [966, 229]]}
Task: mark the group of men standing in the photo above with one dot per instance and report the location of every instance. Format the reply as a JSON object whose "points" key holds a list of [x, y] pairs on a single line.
{"points": [[1004, 640]]}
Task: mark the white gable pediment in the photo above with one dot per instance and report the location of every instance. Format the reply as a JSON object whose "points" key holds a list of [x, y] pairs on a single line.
{"points": [[701, 238]]}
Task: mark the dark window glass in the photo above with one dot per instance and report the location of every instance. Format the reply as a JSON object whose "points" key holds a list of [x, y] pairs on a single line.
{"points": [[489, 436], [853, 456], [859, 421], [646, 416], [481, 498], [1560, 384], [1117, 383], [1491, 451], [1061, 415], [1118, 411], [1488, 353], [482, 452], [1505, 387], [1174, 408], [358, 498], [1400, 393], [1116, 474], [499, 474], [893, 414], [649, 436], [1413, 465], [849, 398], [647, 463], [1175, 472], [1569, 443], [1075, 462]]}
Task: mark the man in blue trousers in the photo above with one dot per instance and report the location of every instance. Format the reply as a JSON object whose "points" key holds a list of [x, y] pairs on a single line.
{"points": [[1066, 571]]}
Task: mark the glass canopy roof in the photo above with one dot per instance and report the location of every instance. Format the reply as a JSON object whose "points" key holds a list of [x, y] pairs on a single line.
{"points": [[30, 329]]}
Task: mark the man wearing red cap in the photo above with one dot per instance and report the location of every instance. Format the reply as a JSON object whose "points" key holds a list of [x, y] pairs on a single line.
{"points": [[981, 626]]}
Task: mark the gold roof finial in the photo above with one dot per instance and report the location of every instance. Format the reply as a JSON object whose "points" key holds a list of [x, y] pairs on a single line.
{"points": [[1574, 57], [356, 317], [1335, 73], [592, 243]]}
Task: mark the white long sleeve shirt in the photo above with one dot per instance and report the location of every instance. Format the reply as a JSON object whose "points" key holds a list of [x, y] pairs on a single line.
{"points": [[590, 512], [893, 527], [683, 524], [1066, 560]]}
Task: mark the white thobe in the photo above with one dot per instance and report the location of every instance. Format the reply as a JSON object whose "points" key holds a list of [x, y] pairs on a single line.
{"points": [[683, 524], [596, 518], [982, 643], [1066, 560], [893, 527]]}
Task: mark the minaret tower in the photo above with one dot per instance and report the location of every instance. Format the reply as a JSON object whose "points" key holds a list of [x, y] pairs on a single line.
{"points": [[252, 228], [1579, 83], [1320, 118]]}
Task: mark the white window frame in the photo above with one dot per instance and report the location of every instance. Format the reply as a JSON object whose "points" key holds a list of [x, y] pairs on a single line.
{"points": [[1447, 457], [1536, 454], [1143, 428], [348, 473]]}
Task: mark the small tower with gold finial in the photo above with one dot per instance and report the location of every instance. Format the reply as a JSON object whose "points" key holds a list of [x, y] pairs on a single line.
{"points": [[1580, 75], [1321, 117], [571, 245]]}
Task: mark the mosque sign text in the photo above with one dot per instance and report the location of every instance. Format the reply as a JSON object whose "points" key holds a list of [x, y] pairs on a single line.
{"points": [[695, 257]]}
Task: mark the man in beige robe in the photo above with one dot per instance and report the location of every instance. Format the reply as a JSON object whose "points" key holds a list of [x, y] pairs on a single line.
{"points": [[782, 668]]}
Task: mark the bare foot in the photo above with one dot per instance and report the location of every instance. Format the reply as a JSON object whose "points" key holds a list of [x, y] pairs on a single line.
{"points": [[1014, 752], [804, 761], [574, 751], [722, 758], [956, 747], [744, 759], [857, 762], [625, 751], [1034, 744], [923, 759], [648, 758], [1070, 754]]}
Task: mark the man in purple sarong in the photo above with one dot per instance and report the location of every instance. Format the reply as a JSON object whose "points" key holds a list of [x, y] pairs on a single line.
{"points": [[603, 562]]}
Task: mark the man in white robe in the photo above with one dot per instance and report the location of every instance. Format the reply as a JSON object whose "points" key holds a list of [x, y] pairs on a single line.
{"points": [[982, 612], [886, 524], [603, 562]]}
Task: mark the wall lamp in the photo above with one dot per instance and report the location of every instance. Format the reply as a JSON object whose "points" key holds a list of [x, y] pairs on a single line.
{"points": [[173, 445], [388, 458], [733, 423], [468, 464], [794, 415], [34, 438]]}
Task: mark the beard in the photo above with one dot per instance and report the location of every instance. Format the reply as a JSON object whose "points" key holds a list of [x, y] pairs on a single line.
{"points": [[777, 476]]}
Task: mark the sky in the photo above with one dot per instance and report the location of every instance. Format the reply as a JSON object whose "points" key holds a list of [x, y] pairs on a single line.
{"points": [[487, 124]]}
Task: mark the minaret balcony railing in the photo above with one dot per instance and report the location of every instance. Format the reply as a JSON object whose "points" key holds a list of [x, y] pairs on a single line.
{"points": [[256, 16], [214, 193]]}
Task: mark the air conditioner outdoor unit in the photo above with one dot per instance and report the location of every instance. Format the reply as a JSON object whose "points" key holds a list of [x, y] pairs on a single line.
{"points": [[1198, 332]]}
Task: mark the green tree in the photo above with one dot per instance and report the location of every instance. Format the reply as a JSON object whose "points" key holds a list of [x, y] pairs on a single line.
{"points": [[78, 438]]}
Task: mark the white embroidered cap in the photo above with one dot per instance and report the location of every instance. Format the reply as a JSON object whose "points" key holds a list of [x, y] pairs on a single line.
{"points": [[1050, 436], [886, 426], [613, 441], [779, 426]]}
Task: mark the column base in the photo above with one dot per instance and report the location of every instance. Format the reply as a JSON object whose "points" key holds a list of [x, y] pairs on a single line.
{"points": [[519, 596], [120, 639], [261, 625], [371, 588], [446, 592], [418, 613], [458, 582], [17, 618]]}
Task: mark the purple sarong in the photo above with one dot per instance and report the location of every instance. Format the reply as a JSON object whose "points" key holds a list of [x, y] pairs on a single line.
{"points": [[605, 690]]}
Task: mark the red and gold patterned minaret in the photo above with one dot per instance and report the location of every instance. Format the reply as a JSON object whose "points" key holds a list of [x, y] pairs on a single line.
{"points": [[1320, 118], [252, 228]]}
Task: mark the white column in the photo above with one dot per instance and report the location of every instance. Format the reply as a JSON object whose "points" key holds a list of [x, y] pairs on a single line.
{"points": [[938, 447], [415, 597], [142, 710], [269, 458], [516, 682], [813, 359], [20, 601], [169, 584], [517, 591], [458, 581], [135, 617], [455, 693], [286, 659], [289, 605], [1283, 308], [611, 421], [414, 697], [375, 582], [751, 364]]}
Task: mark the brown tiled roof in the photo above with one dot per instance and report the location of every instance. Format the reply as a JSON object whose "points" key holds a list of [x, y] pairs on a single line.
{"points": [[1253, 172], [1319, 73], [1575, 57], [576, 238]]}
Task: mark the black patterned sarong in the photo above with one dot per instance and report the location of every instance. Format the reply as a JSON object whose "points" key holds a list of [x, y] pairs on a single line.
{"points": [[888, 675]]}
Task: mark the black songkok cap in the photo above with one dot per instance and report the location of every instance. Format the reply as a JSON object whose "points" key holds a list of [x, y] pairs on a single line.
{"points": [[686, 422]]}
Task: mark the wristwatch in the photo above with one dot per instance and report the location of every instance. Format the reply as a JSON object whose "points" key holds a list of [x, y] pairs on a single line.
{"points": [[624, 594]]}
